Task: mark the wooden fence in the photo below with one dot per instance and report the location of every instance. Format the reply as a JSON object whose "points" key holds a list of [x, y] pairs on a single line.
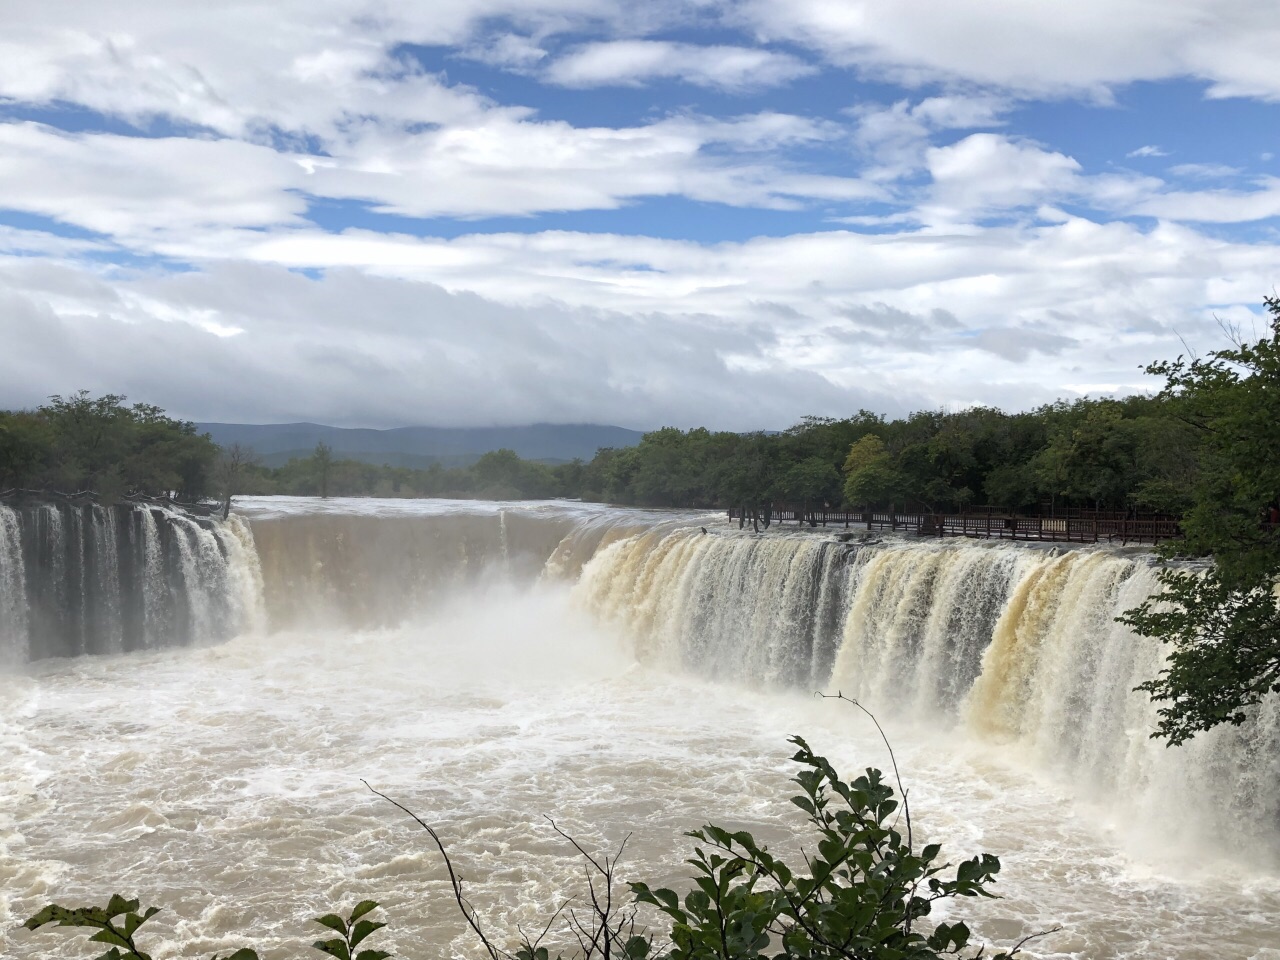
{"points": [[983, 525]]}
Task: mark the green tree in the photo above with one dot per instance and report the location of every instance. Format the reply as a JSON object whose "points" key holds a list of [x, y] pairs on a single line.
{"points": [[322, 464], [869, 473], [26, 443], [503, 475], [1222, 625], [234, 464]]}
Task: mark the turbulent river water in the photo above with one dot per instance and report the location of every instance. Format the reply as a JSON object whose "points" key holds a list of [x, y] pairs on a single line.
{"points": [[620, 671]]}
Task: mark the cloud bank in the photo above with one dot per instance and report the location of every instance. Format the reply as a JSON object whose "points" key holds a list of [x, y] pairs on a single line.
{"points": [[483, 212]]}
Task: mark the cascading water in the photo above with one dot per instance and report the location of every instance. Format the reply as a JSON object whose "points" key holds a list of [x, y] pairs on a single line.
{"points": [[389, 562], [1015, 645], [752, 610], [92, 579], [13, 590], [155, 584]]}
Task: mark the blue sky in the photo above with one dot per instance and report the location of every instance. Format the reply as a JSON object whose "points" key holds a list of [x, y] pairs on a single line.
{"points": [[731, 214]]}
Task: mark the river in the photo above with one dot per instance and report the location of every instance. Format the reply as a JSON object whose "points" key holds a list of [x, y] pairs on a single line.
{"points": [[626, 674]]}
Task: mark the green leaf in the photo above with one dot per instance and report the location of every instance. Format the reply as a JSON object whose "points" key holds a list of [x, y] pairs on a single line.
{"points": [[48, 914], [118, 905], [383, 954], [333, 922], [335, 948], [132, 922], [110, 936], [668, 898], [361, 908], [362, 929]]}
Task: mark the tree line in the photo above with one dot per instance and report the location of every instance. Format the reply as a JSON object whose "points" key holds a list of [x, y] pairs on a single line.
{"points": [[1139, 453], [1130, 454], [1133, 453]]}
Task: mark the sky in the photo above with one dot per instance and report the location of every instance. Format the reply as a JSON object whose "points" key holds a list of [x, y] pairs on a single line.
{"points": [[730, 214]]}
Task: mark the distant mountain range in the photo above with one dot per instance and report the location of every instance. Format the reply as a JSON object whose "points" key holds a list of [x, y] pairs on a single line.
{"points": [[277, 443]]}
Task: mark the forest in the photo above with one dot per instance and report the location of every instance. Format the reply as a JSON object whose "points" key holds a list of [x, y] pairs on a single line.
{"points": [[80, 443], [1115, 454], [1134, 453]]}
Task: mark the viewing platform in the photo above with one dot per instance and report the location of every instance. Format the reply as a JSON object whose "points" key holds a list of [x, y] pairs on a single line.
{"points": [[1080, 526]]}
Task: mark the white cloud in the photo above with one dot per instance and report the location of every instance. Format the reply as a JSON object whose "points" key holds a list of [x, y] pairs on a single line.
{"points": [[1150, 150], [1216, 206], [131, 188], [492, 162], [986, 173], [635, 62], [1205, 171], [573, 326], [895, 138], [301, 67], [508, 50], [1085, 47], [435, 357], [269, 107]]}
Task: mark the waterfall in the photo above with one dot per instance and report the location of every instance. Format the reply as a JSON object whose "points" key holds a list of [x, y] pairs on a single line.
{"points": [[107, 602], [105, 579], [13, 590], [756, 610], [1017, 647], [155, 585], [358, 570]]}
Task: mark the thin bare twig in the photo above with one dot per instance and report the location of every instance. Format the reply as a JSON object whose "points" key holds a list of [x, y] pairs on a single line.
{"points": [[533, 944], [906, 806], [1017, 947], [468, 911]]}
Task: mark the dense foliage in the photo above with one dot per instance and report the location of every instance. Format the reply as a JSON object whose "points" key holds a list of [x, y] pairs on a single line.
{"points": [[80, 443], [1117, 454], [1112, 454], [1222, 623], [863, 892]]}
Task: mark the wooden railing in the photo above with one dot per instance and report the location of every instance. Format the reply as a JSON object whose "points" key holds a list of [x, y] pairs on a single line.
{"points": [[1117, 529]]}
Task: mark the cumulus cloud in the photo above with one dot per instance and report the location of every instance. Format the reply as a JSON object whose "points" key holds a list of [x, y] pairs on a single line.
{"points": [[251, 68], [1087, 47], [635, 62], [978, 280], [896, 138], [496, 163], [132, 187], [987, 173]]}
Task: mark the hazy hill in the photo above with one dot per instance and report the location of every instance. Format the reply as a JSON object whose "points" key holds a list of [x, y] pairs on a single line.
{"points": [[275, 443]]}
